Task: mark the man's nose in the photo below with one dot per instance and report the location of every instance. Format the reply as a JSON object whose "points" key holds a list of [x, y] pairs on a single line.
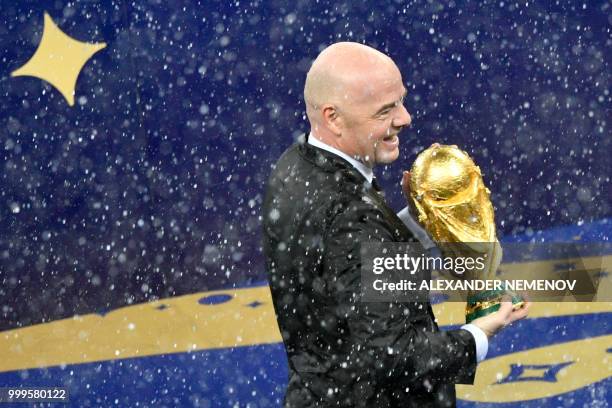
{"points": [[403, 119]]}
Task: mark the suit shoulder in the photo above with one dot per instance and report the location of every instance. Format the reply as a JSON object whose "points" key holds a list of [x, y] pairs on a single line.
{"points": [[288, 158]]}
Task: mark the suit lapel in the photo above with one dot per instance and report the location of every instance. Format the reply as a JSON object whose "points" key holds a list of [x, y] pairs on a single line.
{"points": [[401, 231]]}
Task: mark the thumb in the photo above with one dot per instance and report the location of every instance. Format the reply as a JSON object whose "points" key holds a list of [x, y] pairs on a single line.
{"points": [[506, 306], [406, 180]]}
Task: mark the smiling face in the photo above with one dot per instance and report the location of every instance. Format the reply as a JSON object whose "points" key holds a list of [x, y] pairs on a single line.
{"points": [[373, 120], [354, 102]]}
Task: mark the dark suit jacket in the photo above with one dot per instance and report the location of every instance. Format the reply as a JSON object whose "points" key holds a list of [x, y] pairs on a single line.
{"points": [[343, 352]]}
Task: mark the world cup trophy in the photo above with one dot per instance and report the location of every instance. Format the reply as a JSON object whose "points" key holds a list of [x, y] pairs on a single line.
{"points": [[454, 206]]}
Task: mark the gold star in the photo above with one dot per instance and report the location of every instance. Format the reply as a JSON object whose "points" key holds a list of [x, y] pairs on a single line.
{"points": [[58, 59]]}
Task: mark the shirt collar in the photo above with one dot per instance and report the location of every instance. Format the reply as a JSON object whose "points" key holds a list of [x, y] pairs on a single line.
{"points": [[362, 168]]}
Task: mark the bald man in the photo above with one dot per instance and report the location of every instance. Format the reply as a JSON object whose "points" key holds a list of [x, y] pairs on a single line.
{"points": [[322, 201]]}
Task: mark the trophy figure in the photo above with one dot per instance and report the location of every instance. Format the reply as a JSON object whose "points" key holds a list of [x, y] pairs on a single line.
{"points": [[453, 205]]}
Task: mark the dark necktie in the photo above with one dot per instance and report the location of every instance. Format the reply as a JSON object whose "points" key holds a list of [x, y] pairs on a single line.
{"points": [[375, 185]]}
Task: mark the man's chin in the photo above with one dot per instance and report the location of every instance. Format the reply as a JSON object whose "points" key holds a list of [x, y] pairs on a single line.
{"points": [[387, 157]]}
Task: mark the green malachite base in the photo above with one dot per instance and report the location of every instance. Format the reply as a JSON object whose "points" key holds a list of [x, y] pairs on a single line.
{"points": [[487, 302]]}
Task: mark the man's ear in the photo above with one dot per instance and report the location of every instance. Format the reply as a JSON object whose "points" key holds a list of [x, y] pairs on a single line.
{"points": [[332, 119]]}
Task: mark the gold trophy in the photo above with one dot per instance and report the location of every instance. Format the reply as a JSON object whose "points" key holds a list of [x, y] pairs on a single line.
{"points": [[453, 205]]}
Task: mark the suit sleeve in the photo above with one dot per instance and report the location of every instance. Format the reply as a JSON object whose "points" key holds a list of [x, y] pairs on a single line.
{"points": [[386, 341]]}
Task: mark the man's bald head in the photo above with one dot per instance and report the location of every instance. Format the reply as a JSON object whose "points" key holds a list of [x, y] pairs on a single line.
{"points": [[340, 73]]}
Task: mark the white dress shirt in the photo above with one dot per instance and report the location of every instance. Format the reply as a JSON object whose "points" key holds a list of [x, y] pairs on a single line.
{"points": [[482, 342], [362, 168]]}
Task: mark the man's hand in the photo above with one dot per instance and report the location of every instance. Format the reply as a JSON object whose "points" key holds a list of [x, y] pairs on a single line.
{"points": [[406, 185], [406, 190], [494, 322]]}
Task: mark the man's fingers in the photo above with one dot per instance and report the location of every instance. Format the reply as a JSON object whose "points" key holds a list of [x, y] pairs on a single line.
{"points": [[406, 183], [406, 179], [526, 304], [505, 309], [519, 314], [522, 312]]}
